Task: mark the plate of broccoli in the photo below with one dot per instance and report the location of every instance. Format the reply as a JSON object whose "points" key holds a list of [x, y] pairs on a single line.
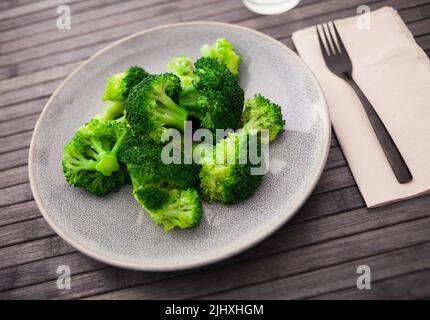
{"points": [[179, 146]]}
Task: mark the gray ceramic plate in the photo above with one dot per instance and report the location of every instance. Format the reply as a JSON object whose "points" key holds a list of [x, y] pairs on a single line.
{"points": [[115, 229]]}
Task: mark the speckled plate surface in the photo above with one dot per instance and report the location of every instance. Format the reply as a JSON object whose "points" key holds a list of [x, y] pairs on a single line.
{"points": [[115, 229]]}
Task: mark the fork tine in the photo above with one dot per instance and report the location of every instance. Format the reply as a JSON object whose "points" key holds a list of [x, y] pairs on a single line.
{"points": [[339, 39], [329, 39], [323, 48]]}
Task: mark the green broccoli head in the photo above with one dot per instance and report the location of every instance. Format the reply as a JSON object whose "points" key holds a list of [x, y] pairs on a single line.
{"points": [[260, 114], [182, 66], [119, 85], [226, 175], [171, 208], [146, 166], [151, 109], [215, 97], [164, 190], [90, 158], [152, 198], [117, 91], [224, 52]]}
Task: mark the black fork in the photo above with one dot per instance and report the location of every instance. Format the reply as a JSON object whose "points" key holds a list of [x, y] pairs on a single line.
{"points": [[338, 61]]}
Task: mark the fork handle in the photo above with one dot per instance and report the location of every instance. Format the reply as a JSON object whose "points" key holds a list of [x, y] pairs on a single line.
{"points": [[398, 164]]}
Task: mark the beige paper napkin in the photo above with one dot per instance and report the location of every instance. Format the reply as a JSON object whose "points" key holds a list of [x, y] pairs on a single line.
{"points": [[394, 73]]}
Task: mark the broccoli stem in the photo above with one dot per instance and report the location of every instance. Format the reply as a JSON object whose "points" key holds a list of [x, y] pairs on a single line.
{"points": [[81, 163], [113, 111], [97, 145], [170, 113], [107, 161], [107, 164], [253, 123], [120, 140], [188, 99]]}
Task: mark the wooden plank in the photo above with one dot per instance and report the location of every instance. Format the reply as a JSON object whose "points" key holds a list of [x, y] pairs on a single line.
{"points": [[49, 15], [28, 66], [31, 8], [62, 71], [19, 212], [25, 94], [7, 4], [26, 231], [316, 207], [322, 230], [14, 176], [58, 72], [343, 276], [416, 13], [89, 283], [15, 126], [100, 22], [13, 159], [109, 8], [420, 28], [409, 286], [15, 142], [15, 194], [334, 179], [327, 227], [335, 158], [78, 55], [83, 53], [47, 61], [125, 33], [235, 15], [334, 142], [33, 251], [192, 13], [40, 271], [424, 41], [22, 109], [214, 280], [326, 204]]}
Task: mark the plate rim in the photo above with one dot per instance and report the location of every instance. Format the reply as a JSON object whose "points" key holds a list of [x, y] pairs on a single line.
{"points": [[227, 251]]}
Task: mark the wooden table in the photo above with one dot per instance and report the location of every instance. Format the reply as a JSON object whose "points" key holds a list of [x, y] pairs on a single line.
{"points": [[315, 255]]}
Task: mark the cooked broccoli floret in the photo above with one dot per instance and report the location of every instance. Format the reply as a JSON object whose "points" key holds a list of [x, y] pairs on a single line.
{"points": [[260, 114], [215, 97], [226, 175], [182, 66], [114, 110], [171, 207], [90, 158], [151, 108], [164, 190], [223, 51], [117, 91], [152, 198], [119, 85], [146, 166]]}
